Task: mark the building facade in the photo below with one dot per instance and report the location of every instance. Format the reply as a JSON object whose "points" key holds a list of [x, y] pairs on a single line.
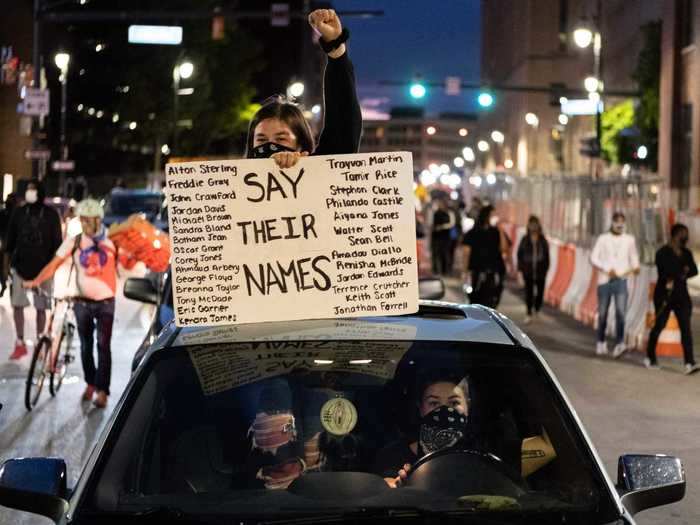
{"points": [[529, 43], [431, 139]]}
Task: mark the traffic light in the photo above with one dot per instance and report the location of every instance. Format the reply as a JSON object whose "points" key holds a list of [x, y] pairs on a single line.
{"points": [[417, 90], [485, 99]]}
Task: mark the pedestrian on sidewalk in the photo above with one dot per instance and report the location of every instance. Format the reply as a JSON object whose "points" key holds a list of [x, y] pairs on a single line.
{"points": [[615, 256], [533, 264], [33, 236], [483, 251], [440, 240], [675, 265], [94, 265], [5, 214]]}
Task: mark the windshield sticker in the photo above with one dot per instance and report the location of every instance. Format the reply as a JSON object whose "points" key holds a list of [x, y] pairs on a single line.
{"points": [[224, 367], [338, 416], [296, 331], [331, 237]]}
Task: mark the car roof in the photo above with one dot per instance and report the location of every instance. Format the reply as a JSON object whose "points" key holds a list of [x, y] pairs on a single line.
{"points": [[123, 192], [434, 321]]}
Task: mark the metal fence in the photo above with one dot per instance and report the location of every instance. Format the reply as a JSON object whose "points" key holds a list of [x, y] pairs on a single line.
{"points": [[579, 208]]}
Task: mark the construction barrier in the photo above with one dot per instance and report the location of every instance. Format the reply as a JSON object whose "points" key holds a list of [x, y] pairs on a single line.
{"points": [[579, 282], [566, 261]]}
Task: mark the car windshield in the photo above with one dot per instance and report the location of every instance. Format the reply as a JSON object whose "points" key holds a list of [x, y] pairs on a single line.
{"points": [[317, 427], [129, 203]]}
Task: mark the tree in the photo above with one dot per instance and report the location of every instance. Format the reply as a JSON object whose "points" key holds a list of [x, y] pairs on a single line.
{"points": [[647, 74]]}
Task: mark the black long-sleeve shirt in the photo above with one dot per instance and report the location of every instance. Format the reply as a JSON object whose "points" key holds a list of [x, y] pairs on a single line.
{"points": [[33, 236], [671, 266], [342, 116]]}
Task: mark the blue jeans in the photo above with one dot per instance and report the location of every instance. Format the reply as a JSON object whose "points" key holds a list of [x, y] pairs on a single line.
{"points": [[91, 316], [614, 289]]}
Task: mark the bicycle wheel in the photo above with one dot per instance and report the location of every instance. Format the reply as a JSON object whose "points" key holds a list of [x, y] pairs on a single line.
{"points": [[37, 372], [63, 358]]}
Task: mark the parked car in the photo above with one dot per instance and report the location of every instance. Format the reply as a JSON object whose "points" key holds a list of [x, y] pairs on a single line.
{"points": [[216, 418], [122, 202]]}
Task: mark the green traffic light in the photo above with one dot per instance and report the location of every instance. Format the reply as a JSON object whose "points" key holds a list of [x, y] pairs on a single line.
{"points": [[417, 90], [485, 99]]}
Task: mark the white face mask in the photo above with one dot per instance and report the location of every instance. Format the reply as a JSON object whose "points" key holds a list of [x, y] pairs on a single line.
{"points": [[31, 196], [493, 221]]}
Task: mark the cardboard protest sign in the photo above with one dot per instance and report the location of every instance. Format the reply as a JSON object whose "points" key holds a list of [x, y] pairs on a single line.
{"points": [[334, 236]]}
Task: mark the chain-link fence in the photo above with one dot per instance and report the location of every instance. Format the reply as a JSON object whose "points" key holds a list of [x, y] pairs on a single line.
{"points": [[579, 208]]}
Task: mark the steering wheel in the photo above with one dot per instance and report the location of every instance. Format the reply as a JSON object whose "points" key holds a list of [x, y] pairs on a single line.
{"points": [[459, 472]]}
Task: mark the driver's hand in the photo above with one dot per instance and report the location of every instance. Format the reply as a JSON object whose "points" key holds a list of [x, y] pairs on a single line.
{"points": [[399, 480], [287, 159]]}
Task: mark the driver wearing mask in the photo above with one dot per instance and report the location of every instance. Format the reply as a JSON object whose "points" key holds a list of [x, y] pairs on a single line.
{"points": [[443, 411]]}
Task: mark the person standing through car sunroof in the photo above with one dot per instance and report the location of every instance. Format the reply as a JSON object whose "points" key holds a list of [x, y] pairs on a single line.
{"points": [[279, 130], [615, 257], [675, 265]]}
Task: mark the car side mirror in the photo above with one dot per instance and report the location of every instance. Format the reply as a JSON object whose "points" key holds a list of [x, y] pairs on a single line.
{"points": [[431, 288], [141, 289], [36, 485], [646, 481]]}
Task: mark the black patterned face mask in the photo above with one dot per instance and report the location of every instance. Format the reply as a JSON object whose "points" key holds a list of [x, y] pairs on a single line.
{"points": [[265, 151], [442, 428]]}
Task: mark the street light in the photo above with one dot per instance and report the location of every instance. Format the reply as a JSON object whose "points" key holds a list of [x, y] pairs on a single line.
{"points": [[532, 119], [563, 119], [431, 130], [183, 70], [497, 137], [591, 84], [583, 37], [295, 89], [62, 61], [417, 90], [483, 146], [458, 162], [468, 154]]}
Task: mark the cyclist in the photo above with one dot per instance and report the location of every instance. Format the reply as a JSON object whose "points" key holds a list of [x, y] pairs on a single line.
{"points": [[94, 264]]}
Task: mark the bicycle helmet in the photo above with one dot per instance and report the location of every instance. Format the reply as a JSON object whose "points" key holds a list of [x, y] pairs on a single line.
{"points": [[90, 208]]}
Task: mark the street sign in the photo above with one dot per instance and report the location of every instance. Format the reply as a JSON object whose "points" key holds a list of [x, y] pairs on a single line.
{"points": [[279, 15], [167, 35], [580, 106], [36, 102], [37, 154], [453, 85], [63, 165]]}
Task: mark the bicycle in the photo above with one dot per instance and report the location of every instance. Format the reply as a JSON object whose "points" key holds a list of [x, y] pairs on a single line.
{"points": [[52, 353]]}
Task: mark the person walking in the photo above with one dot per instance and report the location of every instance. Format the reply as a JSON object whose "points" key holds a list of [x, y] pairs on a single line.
{"points": [[442, 224], [483, 252], [615, 257], [94, 265], [675, 265], [5, 214], [33, 236], [533, 264]]}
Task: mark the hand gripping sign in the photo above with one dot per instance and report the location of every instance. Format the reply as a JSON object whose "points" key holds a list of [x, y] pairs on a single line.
{"points": [[333, 236]]}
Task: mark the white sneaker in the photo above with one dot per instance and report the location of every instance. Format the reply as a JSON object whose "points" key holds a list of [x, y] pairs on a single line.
{"points": [[689, 369], [601, 348], [619, 350], [651, 366], [527, 319]]}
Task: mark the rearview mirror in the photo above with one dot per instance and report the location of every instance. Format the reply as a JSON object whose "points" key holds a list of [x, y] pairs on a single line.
{"points": [[140, 289], [431, 288], [646, 481], [36, 485]]}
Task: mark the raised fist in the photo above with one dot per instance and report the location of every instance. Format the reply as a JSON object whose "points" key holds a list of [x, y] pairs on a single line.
{"points": [[326, 22]]}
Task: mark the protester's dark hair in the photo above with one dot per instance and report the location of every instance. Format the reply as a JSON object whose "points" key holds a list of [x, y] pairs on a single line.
{"points": [[40, 190], [280, 108], [618, 215], [535, 219], [482, 219], [425, 379], [677, 229], [11, 201]]}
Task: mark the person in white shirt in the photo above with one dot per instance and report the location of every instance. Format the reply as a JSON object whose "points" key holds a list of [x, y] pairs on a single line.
{"points": [[615, 257]]}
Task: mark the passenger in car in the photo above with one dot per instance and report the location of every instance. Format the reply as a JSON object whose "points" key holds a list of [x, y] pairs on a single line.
{"points": [[442, 406]]}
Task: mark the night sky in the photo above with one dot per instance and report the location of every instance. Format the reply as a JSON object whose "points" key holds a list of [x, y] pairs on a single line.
{"points": [[435, 39]]}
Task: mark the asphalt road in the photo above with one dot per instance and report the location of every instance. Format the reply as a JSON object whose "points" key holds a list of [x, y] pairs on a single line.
{"points": [[624, 407]]}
